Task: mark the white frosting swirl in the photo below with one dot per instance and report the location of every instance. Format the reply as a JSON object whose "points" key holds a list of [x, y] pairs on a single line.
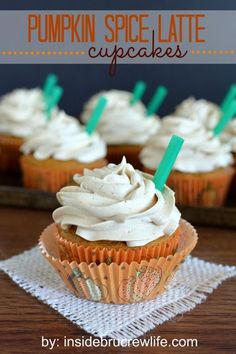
{"points": [[201, 152], [229, 135], [205, 111], [122, 123], [21, 112], [65, 139], [117, 203]]}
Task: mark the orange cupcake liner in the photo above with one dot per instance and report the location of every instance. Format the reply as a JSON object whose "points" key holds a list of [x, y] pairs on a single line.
{"points": [[206, 189], [75, 252], [209, 190], [51, 178], [10, 153], [118, 283], [131, 152]]}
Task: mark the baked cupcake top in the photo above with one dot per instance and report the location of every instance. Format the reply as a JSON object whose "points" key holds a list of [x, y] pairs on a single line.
{"points": [[65, 139], [121, 122], [117, 203], [201, 151], [229, 135], [205, 111], [21, 112]]}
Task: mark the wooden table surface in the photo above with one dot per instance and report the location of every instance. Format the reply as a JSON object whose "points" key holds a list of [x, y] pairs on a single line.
{"points": [[24, 320]]}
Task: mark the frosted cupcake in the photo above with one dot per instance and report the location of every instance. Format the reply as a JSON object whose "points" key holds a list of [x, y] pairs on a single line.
{"points": [[206, 112], [116, 212], [117, 239], [202, 172], [53, 155], [124, 127], [21, 112]]}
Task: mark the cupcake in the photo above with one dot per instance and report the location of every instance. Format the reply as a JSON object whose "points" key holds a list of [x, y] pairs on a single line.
{"points": [[21, 112], [202, 173], [116, 239], [206, 112], [54, 154], [123, 126]]}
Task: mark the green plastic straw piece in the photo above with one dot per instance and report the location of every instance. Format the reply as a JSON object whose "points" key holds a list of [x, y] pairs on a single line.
{"points": [[53, 100], [230, 95], [226, 117], [157, 100], [167, 162], [96, 115], [50, 83], [138, 91]]}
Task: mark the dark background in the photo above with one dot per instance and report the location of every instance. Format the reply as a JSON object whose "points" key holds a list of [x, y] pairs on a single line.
{"points": [[81, 81]]}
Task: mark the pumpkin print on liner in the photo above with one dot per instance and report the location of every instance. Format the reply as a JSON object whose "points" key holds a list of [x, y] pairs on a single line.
{"points": [[140, 286], [86, 287]]}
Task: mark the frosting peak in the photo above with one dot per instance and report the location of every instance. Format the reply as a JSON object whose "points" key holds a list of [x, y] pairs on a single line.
{"points": [[117, 203], [122, 123], [65, 139]]}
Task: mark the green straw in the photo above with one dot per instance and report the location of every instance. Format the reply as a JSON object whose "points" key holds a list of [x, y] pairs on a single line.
{"points": [[231, 94], [96, 115], [50, 83], [138, 91], [167, 162], [157, 100], [53, 100], [226, 117]]}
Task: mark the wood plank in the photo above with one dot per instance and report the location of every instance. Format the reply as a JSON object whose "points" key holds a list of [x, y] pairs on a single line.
{"points": [[22, 197]]}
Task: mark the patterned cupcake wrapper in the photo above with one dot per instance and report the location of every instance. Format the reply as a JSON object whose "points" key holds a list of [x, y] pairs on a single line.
{"points": [[113, 283], [74, 252], [209, 190], [50, 179], [10, 153]]}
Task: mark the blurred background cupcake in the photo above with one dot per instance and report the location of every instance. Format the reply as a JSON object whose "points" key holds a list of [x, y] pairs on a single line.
{"points": [[53, 155], [22, 112], [126, 123], [202, 173]]}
